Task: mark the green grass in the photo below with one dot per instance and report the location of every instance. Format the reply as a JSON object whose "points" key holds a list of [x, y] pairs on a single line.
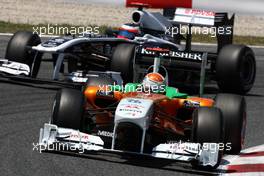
{"points": [[7, 27], [11, 27]]}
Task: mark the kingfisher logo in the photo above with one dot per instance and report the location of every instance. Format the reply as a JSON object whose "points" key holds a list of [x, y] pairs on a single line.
{"points": [[175, 54], [193, 56]]}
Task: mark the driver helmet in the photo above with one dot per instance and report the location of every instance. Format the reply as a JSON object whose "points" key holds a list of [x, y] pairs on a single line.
{"points": [[154, 82], [128, 31]]}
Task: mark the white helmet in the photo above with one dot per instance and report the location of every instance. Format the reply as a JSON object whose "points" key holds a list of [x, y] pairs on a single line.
{"points": [[154, 82]]}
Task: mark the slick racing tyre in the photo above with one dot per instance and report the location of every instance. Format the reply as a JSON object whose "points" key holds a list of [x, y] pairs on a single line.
{"points": [[236, 69], [122, 61], [208, 127], [68, 109], [233, 108], [18, 50]]}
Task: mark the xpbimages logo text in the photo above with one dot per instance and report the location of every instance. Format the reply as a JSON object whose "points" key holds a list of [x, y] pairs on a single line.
{"points": [[211, 31], [57, 147], [212, 147], [55, 29], [107, 90]]}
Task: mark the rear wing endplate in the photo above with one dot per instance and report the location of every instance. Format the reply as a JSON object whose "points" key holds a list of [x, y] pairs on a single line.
{"points": [[201, 18]]}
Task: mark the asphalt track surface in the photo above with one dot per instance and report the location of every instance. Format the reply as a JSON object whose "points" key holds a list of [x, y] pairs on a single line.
{"points": [[24, 110]]}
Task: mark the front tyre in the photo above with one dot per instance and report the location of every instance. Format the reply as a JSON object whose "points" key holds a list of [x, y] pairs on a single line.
{"points": [[19, 50], [208, 127], [68, 109], [233, 108]]}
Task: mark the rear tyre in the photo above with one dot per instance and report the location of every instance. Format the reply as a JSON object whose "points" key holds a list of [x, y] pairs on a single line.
{"points": [[122, 61], [18, 50], [207, 127], [68, 109], [236, 69], [233, 108]]}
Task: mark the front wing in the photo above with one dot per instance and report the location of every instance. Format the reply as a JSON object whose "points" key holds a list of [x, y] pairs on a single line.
{"points": [[14, 68], [54, 138]]}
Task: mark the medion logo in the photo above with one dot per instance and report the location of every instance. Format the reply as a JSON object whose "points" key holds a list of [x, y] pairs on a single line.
{"points": [[176, 54], [105, 133]]}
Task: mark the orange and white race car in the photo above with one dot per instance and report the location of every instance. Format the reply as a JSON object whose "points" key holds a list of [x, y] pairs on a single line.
{"points": [[142, 119]]}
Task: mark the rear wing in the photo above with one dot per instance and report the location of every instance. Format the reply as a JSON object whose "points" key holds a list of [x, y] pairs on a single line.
{"points": [[194, 17], [201, 18]]}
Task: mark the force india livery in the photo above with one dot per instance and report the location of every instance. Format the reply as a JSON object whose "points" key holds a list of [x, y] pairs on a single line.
{"points": [[104, 116], [138, 119]]}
